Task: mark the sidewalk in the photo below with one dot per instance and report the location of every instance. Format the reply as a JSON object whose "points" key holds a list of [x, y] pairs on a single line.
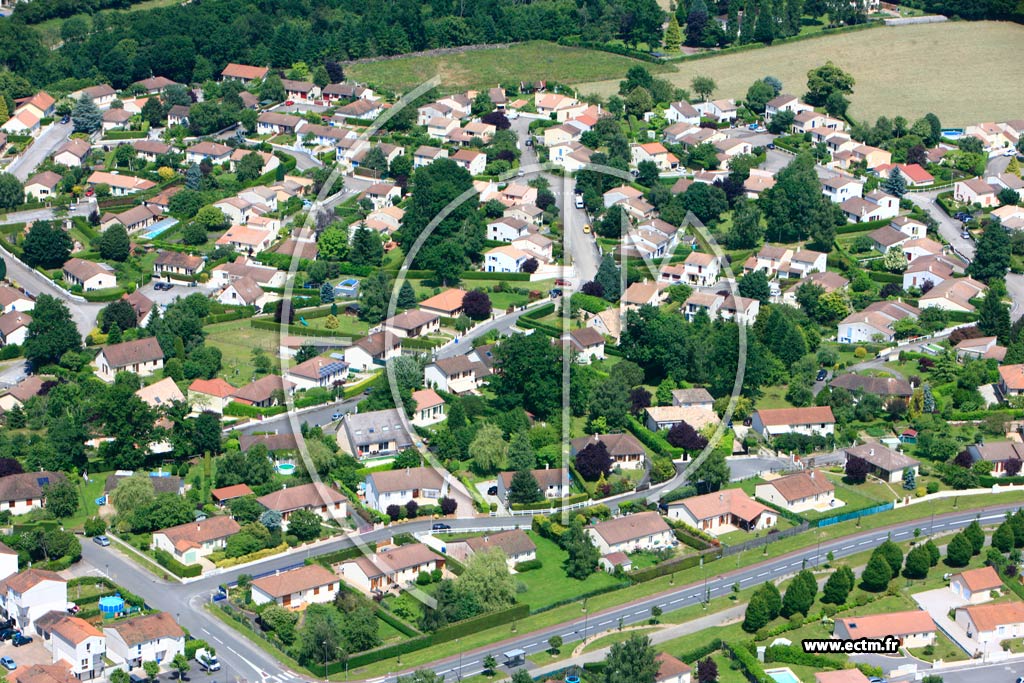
{"points": [[665, 634]]}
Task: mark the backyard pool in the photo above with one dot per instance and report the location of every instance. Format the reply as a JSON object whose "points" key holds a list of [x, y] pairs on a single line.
{"points": [[285, 469], [782, 675], [159, 228]]}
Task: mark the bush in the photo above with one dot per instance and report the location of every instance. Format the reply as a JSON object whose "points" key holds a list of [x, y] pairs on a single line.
{"points": [[167, 561], [94, 526], [528, 565]]}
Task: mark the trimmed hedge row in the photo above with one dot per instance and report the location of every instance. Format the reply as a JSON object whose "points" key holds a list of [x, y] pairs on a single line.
{"points": [[746, 660], [672, 566], [165, 560], [701, 652], [791, 654], [103, 295], [479, 275], [235, 409], [298, 330], [529, 565], [652, 440], [552, 503]]}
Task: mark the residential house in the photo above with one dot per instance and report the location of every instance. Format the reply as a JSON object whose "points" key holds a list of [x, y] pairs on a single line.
{"points": [[553, 482], [317, 372], [624, 448], [693, 398], [429, 407], [191, 541], [229, 272], [115, 119], [42, 185], [244, 73], [270, 162], [132, 220], [148, 638], [827, 280], [302, 91], [226, 494], [953, 295], [886, 464], [214, 152], [41, 104], [702, 270], [374, 434], [316, 497], [275, 443], [413, 323], [453, 375], [178, 263], [120, 185], [1011, 380], [875, 322], [294, 589], [347, 91], [1006, 457], [12, 299], [89, 275], [814, 420], [799, 492], [718, 110], [723, 511], [425, 155], [247, 240], [876, 205], [154, 85], [372, 351], [42, 673], [178, 115], [841, 676], [740, 309], [472, 160], [885, 387], [78, 644], [360, 109], [656, 153], [506, 229], [913, 628], [425, 485], [383, 194], [14, 328], [682, 112], [586, 343], [785, 102], [210, 394], [988, 626], [701, 302], [72, 153], [980, 347], [23, 492], [31, 593], [641, 531], [263, 392], [608, 323], [273, 123], [23, 122], [390, 569], [17, 395], [671, 669], [514, 544], [447, 304], [161, 394], [646, 293], [505, 259], [841, 188], [141, 356], [558, 107], [976, 191], [975, 586], [657, 418]]}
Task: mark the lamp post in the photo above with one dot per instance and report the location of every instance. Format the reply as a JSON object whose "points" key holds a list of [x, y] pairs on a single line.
{"points": [[458, 642], [325, 661], [586, 617]]}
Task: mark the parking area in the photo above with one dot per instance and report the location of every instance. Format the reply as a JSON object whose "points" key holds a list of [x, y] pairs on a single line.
{"points": [[938, 604], [28, 654], [485, 486]]}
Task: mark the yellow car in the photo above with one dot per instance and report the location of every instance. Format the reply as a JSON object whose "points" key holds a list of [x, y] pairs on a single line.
{"points": [[586, 229]]}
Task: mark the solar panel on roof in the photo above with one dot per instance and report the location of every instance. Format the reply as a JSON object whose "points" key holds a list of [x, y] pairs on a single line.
{"points": [[332, 368], [42, 481]]}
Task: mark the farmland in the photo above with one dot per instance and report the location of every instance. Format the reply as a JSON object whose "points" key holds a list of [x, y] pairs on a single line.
{"points": [[904, 70]]}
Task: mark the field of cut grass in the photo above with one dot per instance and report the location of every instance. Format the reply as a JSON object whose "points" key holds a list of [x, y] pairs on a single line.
{"points": [[901, 70], [236, 340], [532, 61]]}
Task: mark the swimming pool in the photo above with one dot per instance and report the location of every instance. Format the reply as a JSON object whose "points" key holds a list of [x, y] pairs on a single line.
{"points": [[159, 228], [286, 469], [782, 675]]}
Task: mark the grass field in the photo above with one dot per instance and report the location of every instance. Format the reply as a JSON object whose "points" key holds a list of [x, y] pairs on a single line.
{"points": [[50, 29], [236, 340], [906, 70], [549, 584], [532, 61]]}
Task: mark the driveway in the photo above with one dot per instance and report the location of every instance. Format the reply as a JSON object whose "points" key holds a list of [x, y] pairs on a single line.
{"points": [[741, 468], [51, 138], [937, 603]]}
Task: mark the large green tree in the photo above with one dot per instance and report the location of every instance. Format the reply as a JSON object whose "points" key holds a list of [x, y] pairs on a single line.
{"points": [[631, 661], [46, 245], [52, 332], [992, 256]]}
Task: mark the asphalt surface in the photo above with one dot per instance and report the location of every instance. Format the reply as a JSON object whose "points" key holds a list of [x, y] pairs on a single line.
{"points": [[51, 138], [745, 468], [186, 601], [972, 672]]}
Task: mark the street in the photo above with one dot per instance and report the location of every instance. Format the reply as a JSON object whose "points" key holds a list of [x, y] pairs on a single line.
{"points": [[186, 601], [51, 138]]}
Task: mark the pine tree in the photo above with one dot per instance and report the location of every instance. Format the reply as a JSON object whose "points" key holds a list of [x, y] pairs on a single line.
{"points": [[764, 29], [406, 295], [958, 552], [976, 536], [4, 113], [918, 563], [747, 23], [933, 552], [696, 23], [1013, 167], [1017, 522], [909, 479], [673, 35], [86, 116], [876, 575], [929, 399], [773, 599], [994, 316], [193, 177], [892, 554], [1003, 538], [895, 184], [608, 277], [794, 13], [837, 588], [114, 334], [992, 256], [524, 488], [798, 598], [756, 616]]}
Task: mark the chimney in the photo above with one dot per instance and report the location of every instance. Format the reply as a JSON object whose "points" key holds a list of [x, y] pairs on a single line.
{"points": [[721, 496], [871, 451], [812, 474]]}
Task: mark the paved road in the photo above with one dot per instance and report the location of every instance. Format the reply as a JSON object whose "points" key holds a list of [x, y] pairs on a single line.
{"points": [[972, 672], [316, 416], [502, 324], [186, 601], [51, 138], [741, 468]]}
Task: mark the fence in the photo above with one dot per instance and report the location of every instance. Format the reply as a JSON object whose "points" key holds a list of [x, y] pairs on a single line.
{"points": [[846, 516], [764, 540]]}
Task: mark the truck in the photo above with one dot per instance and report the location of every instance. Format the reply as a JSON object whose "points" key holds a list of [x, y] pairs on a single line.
{"points": [[207, 660]]}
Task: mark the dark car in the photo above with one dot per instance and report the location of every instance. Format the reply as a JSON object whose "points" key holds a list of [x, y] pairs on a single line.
{"points": [[492, 491], [771, 145], [822, 374], [8, 633], [65, 119], [20, 640], [440, 526]]}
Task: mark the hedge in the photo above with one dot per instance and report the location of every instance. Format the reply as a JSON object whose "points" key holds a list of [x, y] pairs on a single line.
{"points": [[165, 560], [552, 503], [103, 295], [694, 542], [124, 134], [479, 275], [702, 651], [746, 660], [529, 565], [672, 566], [652, 440], [299, 330], [235, 409], [258, 555], [864, 226], [791, 654], [615, 49], [237, 314]]}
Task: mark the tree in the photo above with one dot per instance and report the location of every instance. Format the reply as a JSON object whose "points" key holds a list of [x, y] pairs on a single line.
{"points": [[360, 629], [554, 644], [608, 277], [488, 449], [51, 334], [181, 665], [703, 86], [755, 286], [582, 553], [713, 472], [682, 435], [152, 670], [487, 579], [673, 37], [133, 493], [756, 616], [12, 193], [857, 469], [62, 498], [958, 551], [631, 662], [895, 183], [758, 95], [304, 525], [992, 257], [838, 586], [918, 563], [594, 460], [524, 488], [1003, 538], [707, 671], [46, 245], [933, 552], [193, 177], [367, 249], [825, 80], [476, 304], [764, 29], [994, 316], [974, 533], [800, 594], [194, 234], [747, 230], [707, 202], [114, 244], [86, 117], [249, 167], [876, 575]]}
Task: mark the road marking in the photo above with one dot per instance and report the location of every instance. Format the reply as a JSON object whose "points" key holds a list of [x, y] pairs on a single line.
{"points": [[205, 631], [761, 574], [217, 639], [846, 547]]}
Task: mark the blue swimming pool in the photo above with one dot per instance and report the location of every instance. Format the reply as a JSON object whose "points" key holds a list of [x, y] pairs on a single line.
{"points": [[159, 228], [782, 675]]}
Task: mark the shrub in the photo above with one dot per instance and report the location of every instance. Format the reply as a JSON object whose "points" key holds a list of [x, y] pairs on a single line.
{"points": [[528, 565]]}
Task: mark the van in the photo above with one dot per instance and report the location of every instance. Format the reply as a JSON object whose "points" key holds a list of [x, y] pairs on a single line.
{"points": [[579, 201]]}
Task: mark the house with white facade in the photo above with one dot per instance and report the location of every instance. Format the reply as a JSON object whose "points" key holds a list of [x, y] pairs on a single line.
{"points": [[320, 371], [425, 485], [374, 434], [799, 492], [315, 497], [723, 511], [913, 628], [987, 626], [149, 638], [390, 569], [31, 593], [975, 586], [641, 531], [812, 420], [294, 589], [514, 544], [23, 492], [552, 482], [78, 644], [143, 357], [190, 541]]}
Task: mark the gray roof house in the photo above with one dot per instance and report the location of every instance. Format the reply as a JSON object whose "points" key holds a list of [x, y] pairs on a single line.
{"points": [[376, 433]]}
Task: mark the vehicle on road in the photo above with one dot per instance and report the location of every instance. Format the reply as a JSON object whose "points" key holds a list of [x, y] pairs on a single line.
{"points": [[207, 660], [101, 540], [579, 201], [966, 234], [529, 142], [65, 119], [561, 282], [20, 640], [441, 526], [770, 145], [520, 173], [555, 293], [335, 416], [822, 375], [89, 192], [587, 229], [8, 663], [288, 103]]}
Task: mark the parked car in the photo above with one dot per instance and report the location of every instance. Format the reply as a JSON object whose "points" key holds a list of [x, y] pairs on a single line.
{"points": [[8, 663], [20, 640], [101, 540], [492, 491], [822, 375], [65, 119], [8, 633], [441, 526], [561, 282], [335, 416], [555, 293], [770, 145]]}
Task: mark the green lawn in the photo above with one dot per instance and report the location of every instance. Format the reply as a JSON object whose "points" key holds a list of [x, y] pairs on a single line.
{"points": [[349, 324], [50, 29], [617, 637], [88, 492], [549, 584], [236, 340], [532, 61]]}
